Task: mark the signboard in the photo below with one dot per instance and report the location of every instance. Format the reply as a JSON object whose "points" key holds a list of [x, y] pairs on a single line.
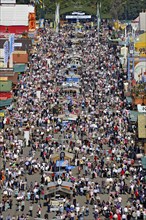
{"points": [[141, 108], [2, 114], [11, 43], [78, 16], [139, 71], [6, 52], [7, 1], [17, 44], [61, 163], [3, 78]]}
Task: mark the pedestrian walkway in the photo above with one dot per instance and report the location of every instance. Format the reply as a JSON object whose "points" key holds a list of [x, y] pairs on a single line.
{"points": [[86, 117]]}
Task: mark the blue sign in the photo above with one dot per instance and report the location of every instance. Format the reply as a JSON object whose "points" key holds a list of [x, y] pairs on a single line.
{"points": [[61, 163], [72, 79], [6, 52]]}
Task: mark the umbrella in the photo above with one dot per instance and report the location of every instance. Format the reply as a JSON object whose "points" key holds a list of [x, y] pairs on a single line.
{"points": [[93, 126], [109, 180], [69, 167], [73, 178], [47, 179], [9, 190]]}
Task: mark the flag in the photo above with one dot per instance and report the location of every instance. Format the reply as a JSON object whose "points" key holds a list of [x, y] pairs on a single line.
{"points": [[98, 15], [6, 52], [57, 17]]}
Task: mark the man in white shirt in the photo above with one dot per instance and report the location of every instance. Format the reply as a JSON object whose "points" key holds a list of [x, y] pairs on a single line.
{"points": [[124, 217]]}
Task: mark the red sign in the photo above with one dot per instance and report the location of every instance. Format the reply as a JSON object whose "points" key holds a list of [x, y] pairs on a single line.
{"points": [[5, 95]]}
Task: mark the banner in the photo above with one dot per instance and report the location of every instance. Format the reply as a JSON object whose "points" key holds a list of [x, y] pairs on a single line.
{"points": [[32, 22], [6, 52], [57, 18], [11, 43], [41, 23]]}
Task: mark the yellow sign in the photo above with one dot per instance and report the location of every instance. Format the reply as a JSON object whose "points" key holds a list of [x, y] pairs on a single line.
{"points": [[2, 114], [141, 48], [3, 78]]}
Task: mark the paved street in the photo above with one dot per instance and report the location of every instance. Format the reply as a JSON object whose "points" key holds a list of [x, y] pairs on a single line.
{"points": [[62, 107]]}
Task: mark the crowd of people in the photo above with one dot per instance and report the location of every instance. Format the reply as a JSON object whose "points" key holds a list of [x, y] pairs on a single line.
{"points": [[106, 184]]}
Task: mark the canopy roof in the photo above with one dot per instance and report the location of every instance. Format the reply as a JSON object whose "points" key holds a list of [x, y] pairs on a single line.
{"points": [[67, 155], [19, 68]]}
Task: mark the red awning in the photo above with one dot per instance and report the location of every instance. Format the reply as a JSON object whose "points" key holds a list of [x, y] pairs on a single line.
{"points": [[5, 95]]}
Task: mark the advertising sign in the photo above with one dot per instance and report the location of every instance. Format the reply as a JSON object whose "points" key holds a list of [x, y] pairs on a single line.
{"points": [[141, 108], [17, 44], [62, 163], [2, 114], [140, 71], [78, 16]]}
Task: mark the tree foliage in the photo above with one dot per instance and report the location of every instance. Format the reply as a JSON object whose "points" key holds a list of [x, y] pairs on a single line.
{"points": [[117, 9]]}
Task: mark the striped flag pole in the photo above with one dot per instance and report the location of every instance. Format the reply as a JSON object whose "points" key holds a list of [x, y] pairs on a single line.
{"points": [[98, 19]]}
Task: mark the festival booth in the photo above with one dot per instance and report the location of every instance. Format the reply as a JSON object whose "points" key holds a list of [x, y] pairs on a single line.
{"points": [[58, 184], [20, 57], [57, 192], [139, 61], [9, 74], [5, 92], [140, 45], [19, 68], [64, 165], [74, 61], [17, 18], [67, 118], [75, 64], [68, 157], [71, 90]]}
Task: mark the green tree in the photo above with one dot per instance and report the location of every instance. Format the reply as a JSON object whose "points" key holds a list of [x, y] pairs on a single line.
{"points": [[117, 9]]}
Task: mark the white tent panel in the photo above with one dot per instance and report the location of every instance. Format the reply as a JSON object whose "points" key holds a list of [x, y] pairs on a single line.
{"points": [[15, 14]]}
